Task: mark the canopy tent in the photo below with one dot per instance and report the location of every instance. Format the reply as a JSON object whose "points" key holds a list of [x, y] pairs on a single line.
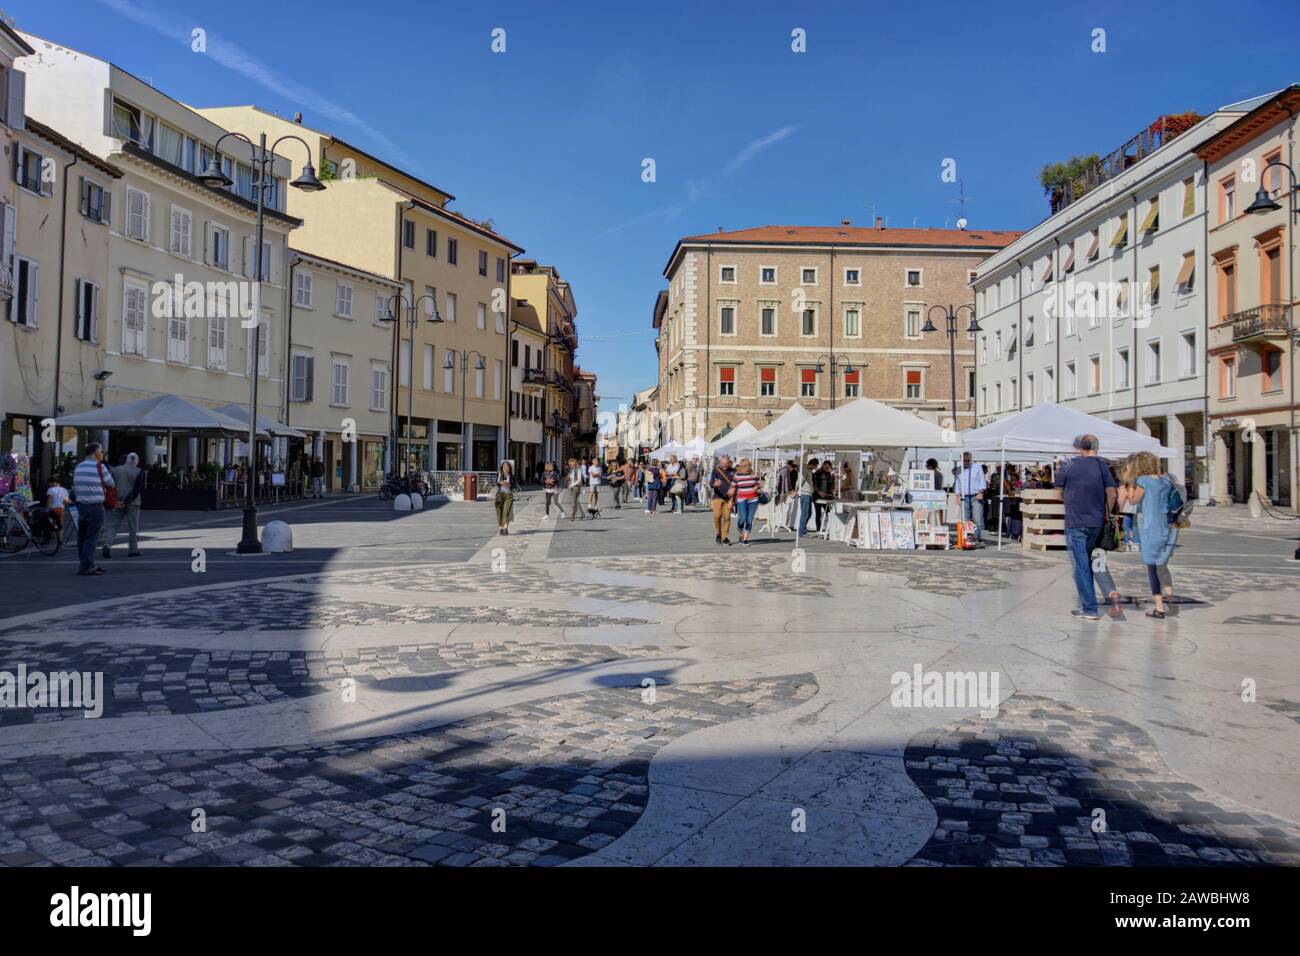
{"points": [[737, 435], [787, 419], [863, 424], [159, 413], [697, 447], [1048, 430], [264, 424]]}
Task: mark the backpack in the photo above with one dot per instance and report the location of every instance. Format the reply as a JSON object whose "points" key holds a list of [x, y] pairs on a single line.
{"points": [[1177, 509]]}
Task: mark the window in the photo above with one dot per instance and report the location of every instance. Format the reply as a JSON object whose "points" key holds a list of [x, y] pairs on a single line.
{"points": [[912, 322], [451, 307], [726, 381], [218, 246], [913, 278], [767, 275], [997, 345], [808, 275], [1121, 368], [95, 201], [182, 230], [767, 382], [1153, 285], [984, 350], [431, 243], [1013, 394], [339, 382], [381, 306], [852, 277], [501, 269], [1151, 223], [993, 293], [970, 382], [1227, 198], [31, 172], [449, 372], [1186, 279], [1029, 331], [997, 397], [1122, 299], [852, 383], [178, 334], [217, 345], [408, 234], [984, 399], [1189, 197], [1270, 362], [514, 353], [482, 263], [128, 124], [262, 331], [1067, 264], [767, 320], [302, 290], [727, 274], [1071, 381], [137, 215], [807, 383], [1119, 238], [378, 388], [480, 315], [300, 377], [1187, 358], [809, 323], [426, 380], [453, 252], [1228, 377], [1094, 374], [1227, 289], [853, 321], [727, 319], [134, 319], [1155, 371], [23, 308], [1049, 384], [343, 300], [501, 322], [87, 311]]}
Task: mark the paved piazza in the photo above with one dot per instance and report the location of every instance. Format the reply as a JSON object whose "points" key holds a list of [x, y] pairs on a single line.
{"points": [[413, 690]]}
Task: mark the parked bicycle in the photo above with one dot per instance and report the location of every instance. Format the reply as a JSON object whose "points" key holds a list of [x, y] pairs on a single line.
{"points": [[395, 484], [22, 524]]}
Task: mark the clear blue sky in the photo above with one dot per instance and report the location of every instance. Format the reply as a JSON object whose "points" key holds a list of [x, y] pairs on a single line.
{"points": [[547, 139]]}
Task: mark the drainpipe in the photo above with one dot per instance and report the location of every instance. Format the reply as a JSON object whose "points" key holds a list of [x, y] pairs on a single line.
{"points": [[1133, 287], [1210, 453], [1020, 333], [288, 379], [708, 336], [58, 326], [1056, 329]]}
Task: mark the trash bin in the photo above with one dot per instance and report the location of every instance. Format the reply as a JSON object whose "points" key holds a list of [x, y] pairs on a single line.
{"points": [[471, 486]]}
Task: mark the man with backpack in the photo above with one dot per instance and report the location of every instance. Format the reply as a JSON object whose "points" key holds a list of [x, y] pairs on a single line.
{"points": [[1090, 493]]}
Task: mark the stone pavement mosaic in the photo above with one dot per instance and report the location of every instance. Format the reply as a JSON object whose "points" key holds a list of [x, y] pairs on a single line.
{"points": [[983, 570], [570, 774], [146, 679], [756, 571], [1022, 789]]}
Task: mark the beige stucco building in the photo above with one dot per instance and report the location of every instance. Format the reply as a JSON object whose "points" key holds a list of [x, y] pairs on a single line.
{"points": [[755, 320], [527, 384], [378, 218], [541, 289], [1251, 380]]}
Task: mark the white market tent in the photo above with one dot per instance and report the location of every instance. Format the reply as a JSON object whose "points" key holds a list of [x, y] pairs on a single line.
{"points": [[695, 448], [1047, 431], [864, 424], [740, 433], [792, 416]]}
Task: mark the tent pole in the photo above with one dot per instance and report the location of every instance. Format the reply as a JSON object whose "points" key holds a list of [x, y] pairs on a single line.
{"points": [[798, 525], [1002, 473]]}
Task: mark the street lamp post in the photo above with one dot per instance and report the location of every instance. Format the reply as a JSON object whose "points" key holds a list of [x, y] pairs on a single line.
{"points": [[263, 160], [836, 362], [394, 314], [479, 365], [950, 316], [1264, 203]]}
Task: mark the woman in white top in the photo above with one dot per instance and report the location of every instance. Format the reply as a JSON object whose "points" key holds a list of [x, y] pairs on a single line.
{"points": [[593, 482]]}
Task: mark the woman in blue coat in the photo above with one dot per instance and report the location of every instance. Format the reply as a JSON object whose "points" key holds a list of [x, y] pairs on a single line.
{"points": [[1156, 536]]}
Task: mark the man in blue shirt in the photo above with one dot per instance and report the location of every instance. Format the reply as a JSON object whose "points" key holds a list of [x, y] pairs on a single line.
{"points": [[90, 484], [1089, 497], [969, 486]]}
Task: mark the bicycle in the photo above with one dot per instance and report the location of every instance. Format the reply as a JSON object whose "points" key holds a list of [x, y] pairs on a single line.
{"points": [[16, 533]]}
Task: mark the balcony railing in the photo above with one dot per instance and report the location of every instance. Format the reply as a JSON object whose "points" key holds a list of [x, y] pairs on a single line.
{"points": [[1263, 321], [534, 376]]}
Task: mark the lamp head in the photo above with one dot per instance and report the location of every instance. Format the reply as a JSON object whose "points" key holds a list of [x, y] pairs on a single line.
{"points": [[214, 177], [1263, 202], [929, 326], [307, 180]]}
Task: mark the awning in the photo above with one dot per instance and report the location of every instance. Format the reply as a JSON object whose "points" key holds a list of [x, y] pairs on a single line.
{"points": [[1096, 241], [1189, 197], [157, 414], [1187, 270], [1121, 233], [1068, 264], [1153, 215]]}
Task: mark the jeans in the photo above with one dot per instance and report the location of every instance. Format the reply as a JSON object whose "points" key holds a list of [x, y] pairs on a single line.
{"points": [[1081, 542], [1158, 577], [972, 509], [91, 520], [651, 500], [805, 511], [551, 495], [318, 487], [618, 497], [745, 509]]}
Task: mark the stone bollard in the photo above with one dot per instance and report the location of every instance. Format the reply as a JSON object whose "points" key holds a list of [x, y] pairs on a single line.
{"points": [[402, 503], [277, 537], [417, 501]]}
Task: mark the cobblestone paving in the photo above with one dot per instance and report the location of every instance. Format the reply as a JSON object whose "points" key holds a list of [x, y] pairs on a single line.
{"points": [[978, 571], [1021, 789], [145, 679], [570, 774], [271, 608], [757, 572]]}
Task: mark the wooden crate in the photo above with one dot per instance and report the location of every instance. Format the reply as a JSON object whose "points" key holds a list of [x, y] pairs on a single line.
{"points": [[1042, 511]]}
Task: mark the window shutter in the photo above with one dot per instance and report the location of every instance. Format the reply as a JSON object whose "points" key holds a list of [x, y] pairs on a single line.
{"points": [[85, 196], [80, 309], [108, 205], [246, 271], [10, 238], [311, 377], [146, 217], [34, 285], [94, 314], [207, 243], [17, 105]]}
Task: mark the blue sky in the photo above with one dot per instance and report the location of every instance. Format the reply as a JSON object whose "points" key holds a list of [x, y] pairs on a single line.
{"points": [[547, 138]]}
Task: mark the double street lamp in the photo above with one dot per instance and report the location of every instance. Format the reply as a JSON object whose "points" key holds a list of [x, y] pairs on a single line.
{"points": [[836, 362], [263, 159], [479, 365], [393, 314], [950, 317]]}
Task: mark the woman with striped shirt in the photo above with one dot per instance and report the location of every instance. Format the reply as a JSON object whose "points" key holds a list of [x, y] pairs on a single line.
{"points": [[745, 482]]}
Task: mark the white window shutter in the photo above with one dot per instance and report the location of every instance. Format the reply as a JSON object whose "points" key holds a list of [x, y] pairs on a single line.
{"points": [[85, 197], [10, 239], [94, 314], [17, 106], [108, 205], [34, 285], [146, 217], [207, 243]]}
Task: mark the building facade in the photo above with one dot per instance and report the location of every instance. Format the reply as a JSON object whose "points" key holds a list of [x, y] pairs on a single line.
{"points": [[185, 296], [756, 320], [586, 431], [541, 289], [1102, 306], [1252, 341], [455, 272], [528, 389]]}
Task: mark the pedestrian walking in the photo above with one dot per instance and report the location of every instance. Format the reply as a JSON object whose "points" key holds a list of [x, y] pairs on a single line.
{"points": [[317, 478], [970, 486], [616, 483], [723, 496], [504, 499], [745, 482], [551, 489], [1153, 492], [92, 486], [575, 479], [651, 478], [1090, 495], [806, 492], [594, 475], [677, 485], [823, 492], [128, 478]]}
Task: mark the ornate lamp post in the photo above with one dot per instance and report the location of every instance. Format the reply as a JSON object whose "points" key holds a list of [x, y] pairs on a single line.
{"points": [[393, 314], [479, 365], [950, 316], [836, 362]]}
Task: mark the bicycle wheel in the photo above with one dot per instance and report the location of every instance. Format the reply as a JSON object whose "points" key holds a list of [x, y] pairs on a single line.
{"points": [[386, 492], [13, 534], [46, 538]]}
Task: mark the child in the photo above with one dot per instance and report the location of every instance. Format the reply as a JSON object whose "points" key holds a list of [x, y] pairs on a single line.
{"points": [[55, 496]]}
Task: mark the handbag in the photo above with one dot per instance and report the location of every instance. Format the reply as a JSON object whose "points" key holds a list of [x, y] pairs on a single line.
{"points": [[110, 494], [1109, 537], [679, 487], [763, 498]]}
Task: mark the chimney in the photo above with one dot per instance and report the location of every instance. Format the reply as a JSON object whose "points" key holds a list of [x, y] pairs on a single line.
{"points": [[297, 118], [880, 223], [846, 222], [719, 229]]}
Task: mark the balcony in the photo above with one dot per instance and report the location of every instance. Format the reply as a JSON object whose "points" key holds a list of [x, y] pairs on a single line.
{"points": [[534, 378], [1261, 322]]}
